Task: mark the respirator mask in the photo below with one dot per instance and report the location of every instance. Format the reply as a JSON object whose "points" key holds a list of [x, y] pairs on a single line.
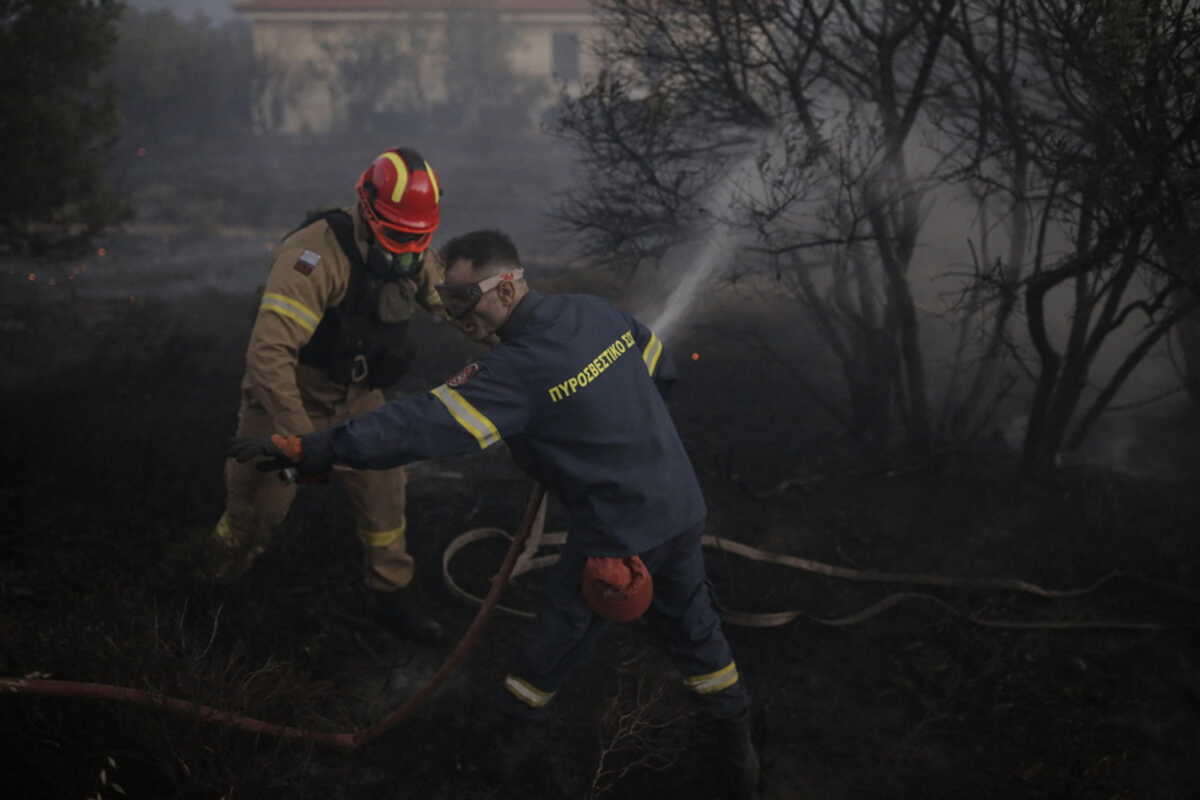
{"points": [[388, 266]]}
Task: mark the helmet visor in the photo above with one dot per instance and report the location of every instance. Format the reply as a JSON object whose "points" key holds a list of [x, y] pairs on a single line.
{"points": [[400, 241]]}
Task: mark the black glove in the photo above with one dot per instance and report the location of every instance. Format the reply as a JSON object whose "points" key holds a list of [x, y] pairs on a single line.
{"points": [[311, 455], [271, 453]]}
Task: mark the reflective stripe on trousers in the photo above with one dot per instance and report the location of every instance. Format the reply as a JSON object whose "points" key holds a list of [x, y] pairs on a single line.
{"points": [[682, 614]]}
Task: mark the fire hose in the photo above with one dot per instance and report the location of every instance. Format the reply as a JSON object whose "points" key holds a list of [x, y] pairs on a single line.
{"points": [[522, 556], [529, 560], [533, 518]]}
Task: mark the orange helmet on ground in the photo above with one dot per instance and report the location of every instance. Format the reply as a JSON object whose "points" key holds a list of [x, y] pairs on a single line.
{"points": [[619, 589], [400, 199]]}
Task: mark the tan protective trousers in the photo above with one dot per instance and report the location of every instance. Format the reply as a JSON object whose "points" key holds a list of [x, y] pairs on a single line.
{"points": [[257, 502]]}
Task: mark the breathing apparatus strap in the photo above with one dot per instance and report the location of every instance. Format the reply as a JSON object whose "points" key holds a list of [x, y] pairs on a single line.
{"points": [[343, 230], [327, 347], [342, 226]]}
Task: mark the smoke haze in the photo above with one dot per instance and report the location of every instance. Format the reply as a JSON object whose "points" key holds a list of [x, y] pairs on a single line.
{"points": [[216, 10]]}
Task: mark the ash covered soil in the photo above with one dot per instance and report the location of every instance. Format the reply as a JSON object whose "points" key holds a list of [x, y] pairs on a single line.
{"points": [[116, 413]]}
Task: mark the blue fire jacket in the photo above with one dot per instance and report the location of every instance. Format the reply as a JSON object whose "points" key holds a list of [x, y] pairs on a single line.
{"points": [[572, 390]]}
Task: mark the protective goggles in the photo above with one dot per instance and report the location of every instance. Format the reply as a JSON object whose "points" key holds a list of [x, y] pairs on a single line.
{"points": [[460, 298]]}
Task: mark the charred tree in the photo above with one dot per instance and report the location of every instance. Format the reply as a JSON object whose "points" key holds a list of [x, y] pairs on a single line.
{"points": [[1080, 127], [1117, 121], [829, 95]]}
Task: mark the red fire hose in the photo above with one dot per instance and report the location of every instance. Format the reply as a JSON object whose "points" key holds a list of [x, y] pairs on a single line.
{"points": [[521, 550], [533, 516]]}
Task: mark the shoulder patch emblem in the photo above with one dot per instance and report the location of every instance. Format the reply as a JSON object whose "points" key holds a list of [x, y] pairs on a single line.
{"points": [[463, 375], [307, 262]]}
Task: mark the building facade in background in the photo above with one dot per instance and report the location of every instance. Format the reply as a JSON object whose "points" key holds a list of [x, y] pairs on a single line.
{"points": [[330, 63]]}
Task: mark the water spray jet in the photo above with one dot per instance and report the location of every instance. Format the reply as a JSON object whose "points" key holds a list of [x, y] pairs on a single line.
{"points": [[709, 249]]}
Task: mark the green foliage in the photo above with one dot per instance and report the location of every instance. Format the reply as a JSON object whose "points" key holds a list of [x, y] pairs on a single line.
{"points": [[58, 121]]}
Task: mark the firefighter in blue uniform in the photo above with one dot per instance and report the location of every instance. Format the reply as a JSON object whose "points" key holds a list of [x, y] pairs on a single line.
{"points": [[575, 389]]}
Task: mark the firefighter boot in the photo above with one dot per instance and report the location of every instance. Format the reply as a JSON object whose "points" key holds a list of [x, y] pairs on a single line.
{"points": [[222, 557], [736, 757], [400, 615]]}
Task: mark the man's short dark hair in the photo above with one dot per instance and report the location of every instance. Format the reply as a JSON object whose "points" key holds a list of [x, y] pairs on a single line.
{"points": [[483, 249]]}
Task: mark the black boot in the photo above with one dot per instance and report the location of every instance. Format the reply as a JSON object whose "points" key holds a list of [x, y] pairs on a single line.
{"points": [[736, 757], [400, 615]]}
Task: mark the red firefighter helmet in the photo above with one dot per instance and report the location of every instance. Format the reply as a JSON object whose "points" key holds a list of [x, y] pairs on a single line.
{"points": [[400, 199]]}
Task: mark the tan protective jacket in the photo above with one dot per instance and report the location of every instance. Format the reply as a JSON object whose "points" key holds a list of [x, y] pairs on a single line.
{"points": [[309, 275]]}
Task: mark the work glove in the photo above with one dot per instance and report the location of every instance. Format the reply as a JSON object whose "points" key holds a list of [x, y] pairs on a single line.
{"points": [[277, 453]]}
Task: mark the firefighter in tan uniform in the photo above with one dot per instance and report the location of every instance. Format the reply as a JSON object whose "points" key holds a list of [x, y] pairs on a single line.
{"points": [[328, 339]]}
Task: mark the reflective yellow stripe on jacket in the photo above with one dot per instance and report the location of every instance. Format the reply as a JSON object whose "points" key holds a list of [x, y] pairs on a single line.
{"points": [[652, 353], [291, 309], [467, 415], [714, 681]]}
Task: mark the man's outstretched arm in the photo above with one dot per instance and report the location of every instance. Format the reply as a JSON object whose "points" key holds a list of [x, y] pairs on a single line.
{"points": [[459, 417]]}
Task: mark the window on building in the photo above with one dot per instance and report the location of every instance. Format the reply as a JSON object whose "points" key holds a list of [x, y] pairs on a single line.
{"points": [[565, 55]]}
